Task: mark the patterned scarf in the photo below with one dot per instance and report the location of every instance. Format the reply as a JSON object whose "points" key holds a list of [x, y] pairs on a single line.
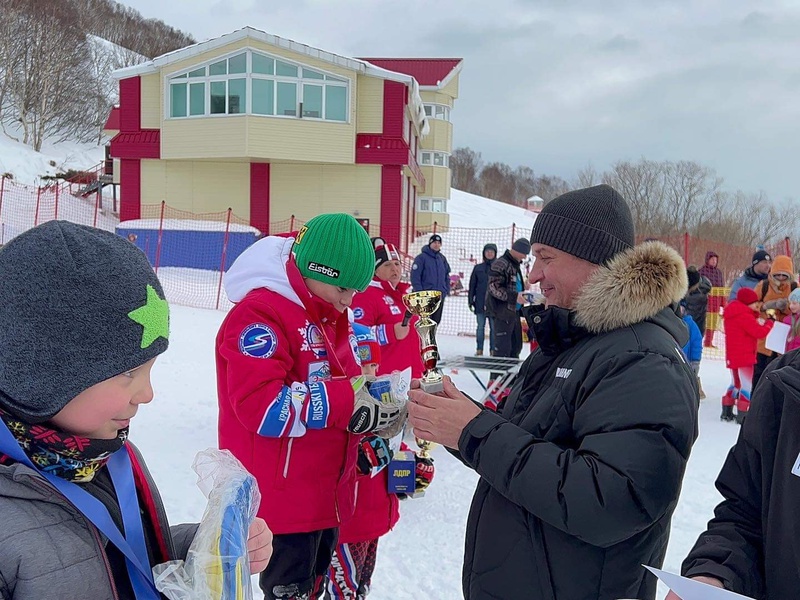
{"points": [[68, 456]]}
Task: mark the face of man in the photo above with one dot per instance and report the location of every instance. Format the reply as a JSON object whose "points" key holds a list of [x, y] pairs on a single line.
{"points": [[560, 276], [712, 262], [762, 267], [436, 246]]}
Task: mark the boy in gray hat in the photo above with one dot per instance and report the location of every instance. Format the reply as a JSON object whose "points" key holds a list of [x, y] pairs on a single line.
{"points": [[82, 320]]}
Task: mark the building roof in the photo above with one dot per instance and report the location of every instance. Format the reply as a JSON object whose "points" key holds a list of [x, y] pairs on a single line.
{"points": [[429, 72], [112, 123], [354, 64]]}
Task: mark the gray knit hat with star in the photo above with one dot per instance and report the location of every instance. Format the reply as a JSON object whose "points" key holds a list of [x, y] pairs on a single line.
{"points": [[78, 306], [593, 223]]}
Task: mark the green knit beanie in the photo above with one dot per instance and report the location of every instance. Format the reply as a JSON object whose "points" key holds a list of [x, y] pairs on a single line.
{"points": [[335, 249]]}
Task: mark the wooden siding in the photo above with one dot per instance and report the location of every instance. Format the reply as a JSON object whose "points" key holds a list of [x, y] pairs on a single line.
{"points": [[307, 190], [151, 101], [369, 104], [198, 186], [437, 182], [440, 136]]}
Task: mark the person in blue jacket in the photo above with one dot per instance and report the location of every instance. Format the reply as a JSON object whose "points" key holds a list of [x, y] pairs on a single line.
{"points": [[693, 350], [431, 271], [476, 298]]}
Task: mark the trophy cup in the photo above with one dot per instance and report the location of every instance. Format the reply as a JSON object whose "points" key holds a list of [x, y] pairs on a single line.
{"points": [[424, 304]]}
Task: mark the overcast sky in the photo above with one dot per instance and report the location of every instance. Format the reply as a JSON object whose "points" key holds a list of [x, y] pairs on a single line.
{"points": [[559, 84]]}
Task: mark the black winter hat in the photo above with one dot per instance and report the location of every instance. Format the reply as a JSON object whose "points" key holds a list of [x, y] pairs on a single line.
{"points": [[384, 252], [693, 275], [435, 238], [593, 223], [759, 256], [522, 245], [78, 306]]}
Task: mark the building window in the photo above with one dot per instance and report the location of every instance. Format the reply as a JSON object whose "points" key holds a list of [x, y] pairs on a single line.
{"points": [[433, 205], [254, 83], [438, 111], [437, 159]]}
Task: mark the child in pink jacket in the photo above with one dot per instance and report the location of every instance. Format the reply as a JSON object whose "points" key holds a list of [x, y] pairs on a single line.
{"points": [[793, 321]]}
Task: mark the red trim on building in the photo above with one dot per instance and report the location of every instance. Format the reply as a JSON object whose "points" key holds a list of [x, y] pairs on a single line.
{"points": [[259, 196], [427, 71], [130, 189], [391, 203], [112, 123], [145, 143], [394, 108], [130, 104]]}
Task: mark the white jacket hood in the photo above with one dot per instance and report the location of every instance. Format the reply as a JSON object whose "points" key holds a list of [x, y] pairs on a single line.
{"points": [[262, 265]]}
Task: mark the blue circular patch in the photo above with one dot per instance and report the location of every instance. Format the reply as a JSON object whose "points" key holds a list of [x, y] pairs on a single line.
{"points": [[258, 340], [358, 313]]}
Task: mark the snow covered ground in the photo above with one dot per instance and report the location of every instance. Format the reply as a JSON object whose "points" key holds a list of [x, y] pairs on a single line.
{"points": [[422, 557]]}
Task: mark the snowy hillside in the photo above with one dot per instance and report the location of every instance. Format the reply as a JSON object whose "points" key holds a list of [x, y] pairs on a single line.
{"points": [[28, 166], [470, 210]]}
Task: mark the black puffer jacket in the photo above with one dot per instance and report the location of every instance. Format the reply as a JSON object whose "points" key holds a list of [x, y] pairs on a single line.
{"points": [[479, 281], [501, 296], [581, 471], [751, 545], [696, 301]]}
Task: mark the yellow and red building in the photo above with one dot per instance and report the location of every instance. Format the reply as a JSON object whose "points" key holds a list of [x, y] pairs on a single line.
{"points": [[272, 128]]}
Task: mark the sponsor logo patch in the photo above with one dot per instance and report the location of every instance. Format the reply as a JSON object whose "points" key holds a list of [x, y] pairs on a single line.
{"points": [[319, 371], [258, 340], [358, 313], [313, 340], [323, 270]]}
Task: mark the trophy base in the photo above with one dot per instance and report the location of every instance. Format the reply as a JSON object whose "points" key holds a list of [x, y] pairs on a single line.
{"points": [[417, 494], [431, 387]]}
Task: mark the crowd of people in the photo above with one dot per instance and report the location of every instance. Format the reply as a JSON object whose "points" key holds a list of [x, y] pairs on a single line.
{"points": [[581, 463]]}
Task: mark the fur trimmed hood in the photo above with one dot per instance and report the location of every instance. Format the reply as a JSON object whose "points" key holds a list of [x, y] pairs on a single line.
{"points": [[636, 285]]}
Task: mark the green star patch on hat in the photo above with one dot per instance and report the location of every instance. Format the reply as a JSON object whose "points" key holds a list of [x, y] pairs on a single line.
{"points": [[153, 317], [78, 306]]}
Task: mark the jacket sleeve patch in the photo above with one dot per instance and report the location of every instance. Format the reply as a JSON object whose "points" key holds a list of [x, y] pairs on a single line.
{"points": [[282, 417], [258, 341], [318, 408]]}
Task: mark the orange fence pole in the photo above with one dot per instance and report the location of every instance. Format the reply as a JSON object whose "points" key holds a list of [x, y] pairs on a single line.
{"points": [[686, 248], [2, 189], [38, 199]]}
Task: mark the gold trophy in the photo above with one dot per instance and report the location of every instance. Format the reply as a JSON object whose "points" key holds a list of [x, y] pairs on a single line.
{"points": [[424, 304]]}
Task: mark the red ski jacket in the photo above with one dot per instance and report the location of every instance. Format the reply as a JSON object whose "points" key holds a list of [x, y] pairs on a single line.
{"points": [[284, 362], [742, 332], [380, 306]]}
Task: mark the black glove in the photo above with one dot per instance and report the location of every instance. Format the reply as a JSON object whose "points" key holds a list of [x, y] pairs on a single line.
{"points": [[373, 452]]}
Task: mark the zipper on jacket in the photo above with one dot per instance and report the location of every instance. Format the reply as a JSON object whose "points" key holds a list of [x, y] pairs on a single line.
{"points": [[42, 485], [288, 456]]}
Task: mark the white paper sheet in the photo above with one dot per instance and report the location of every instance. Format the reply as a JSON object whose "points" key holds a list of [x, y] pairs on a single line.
{"points": [[689, 589], [776, 339]]}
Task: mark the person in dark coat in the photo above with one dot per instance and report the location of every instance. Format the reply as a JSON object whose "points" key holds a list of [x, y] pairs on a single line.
{"points": [[696, 300], [715, 301], [476, 298], [431, 271], [504, 299], [750, 546], [581, 469]]}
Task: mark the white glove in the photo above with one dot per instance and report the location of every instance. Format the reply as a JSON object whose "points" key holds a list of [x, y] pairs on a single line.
{"points": [[369, 413]]}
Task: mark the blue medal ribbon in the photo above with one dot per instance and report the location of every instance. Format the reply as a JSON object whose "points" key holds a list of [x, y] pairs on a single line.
{"points": [[132, 545]]}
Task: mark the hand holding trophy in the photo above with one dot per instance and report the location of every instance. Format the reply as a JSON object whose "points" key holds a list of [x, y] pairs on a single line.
{"points": [[424, 304]]}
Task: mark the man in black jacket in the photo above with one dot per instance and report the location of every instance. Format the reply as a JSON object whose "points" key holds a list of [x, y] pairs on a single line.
{"points": [[476, 297], [581, 469], [504, 299], [751, 544]]}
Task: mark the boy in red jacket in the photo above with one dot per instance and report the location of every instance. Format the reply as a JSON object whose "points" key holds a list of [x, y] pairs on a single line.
{"points": [[743, 329], [287, 407], [377, 510]]}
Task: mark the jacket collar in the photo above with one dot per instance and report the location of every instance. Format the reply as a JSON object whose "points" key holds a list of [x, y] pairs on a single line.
{"points": [[749, 272], [644, 283], [430, 251]]}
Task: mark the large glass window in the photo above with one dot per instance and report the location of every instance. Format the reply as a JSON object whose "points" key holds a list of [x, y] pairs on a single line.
{"points": [[433, 204], [254, 83], [438, 111], [437, 159]]}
